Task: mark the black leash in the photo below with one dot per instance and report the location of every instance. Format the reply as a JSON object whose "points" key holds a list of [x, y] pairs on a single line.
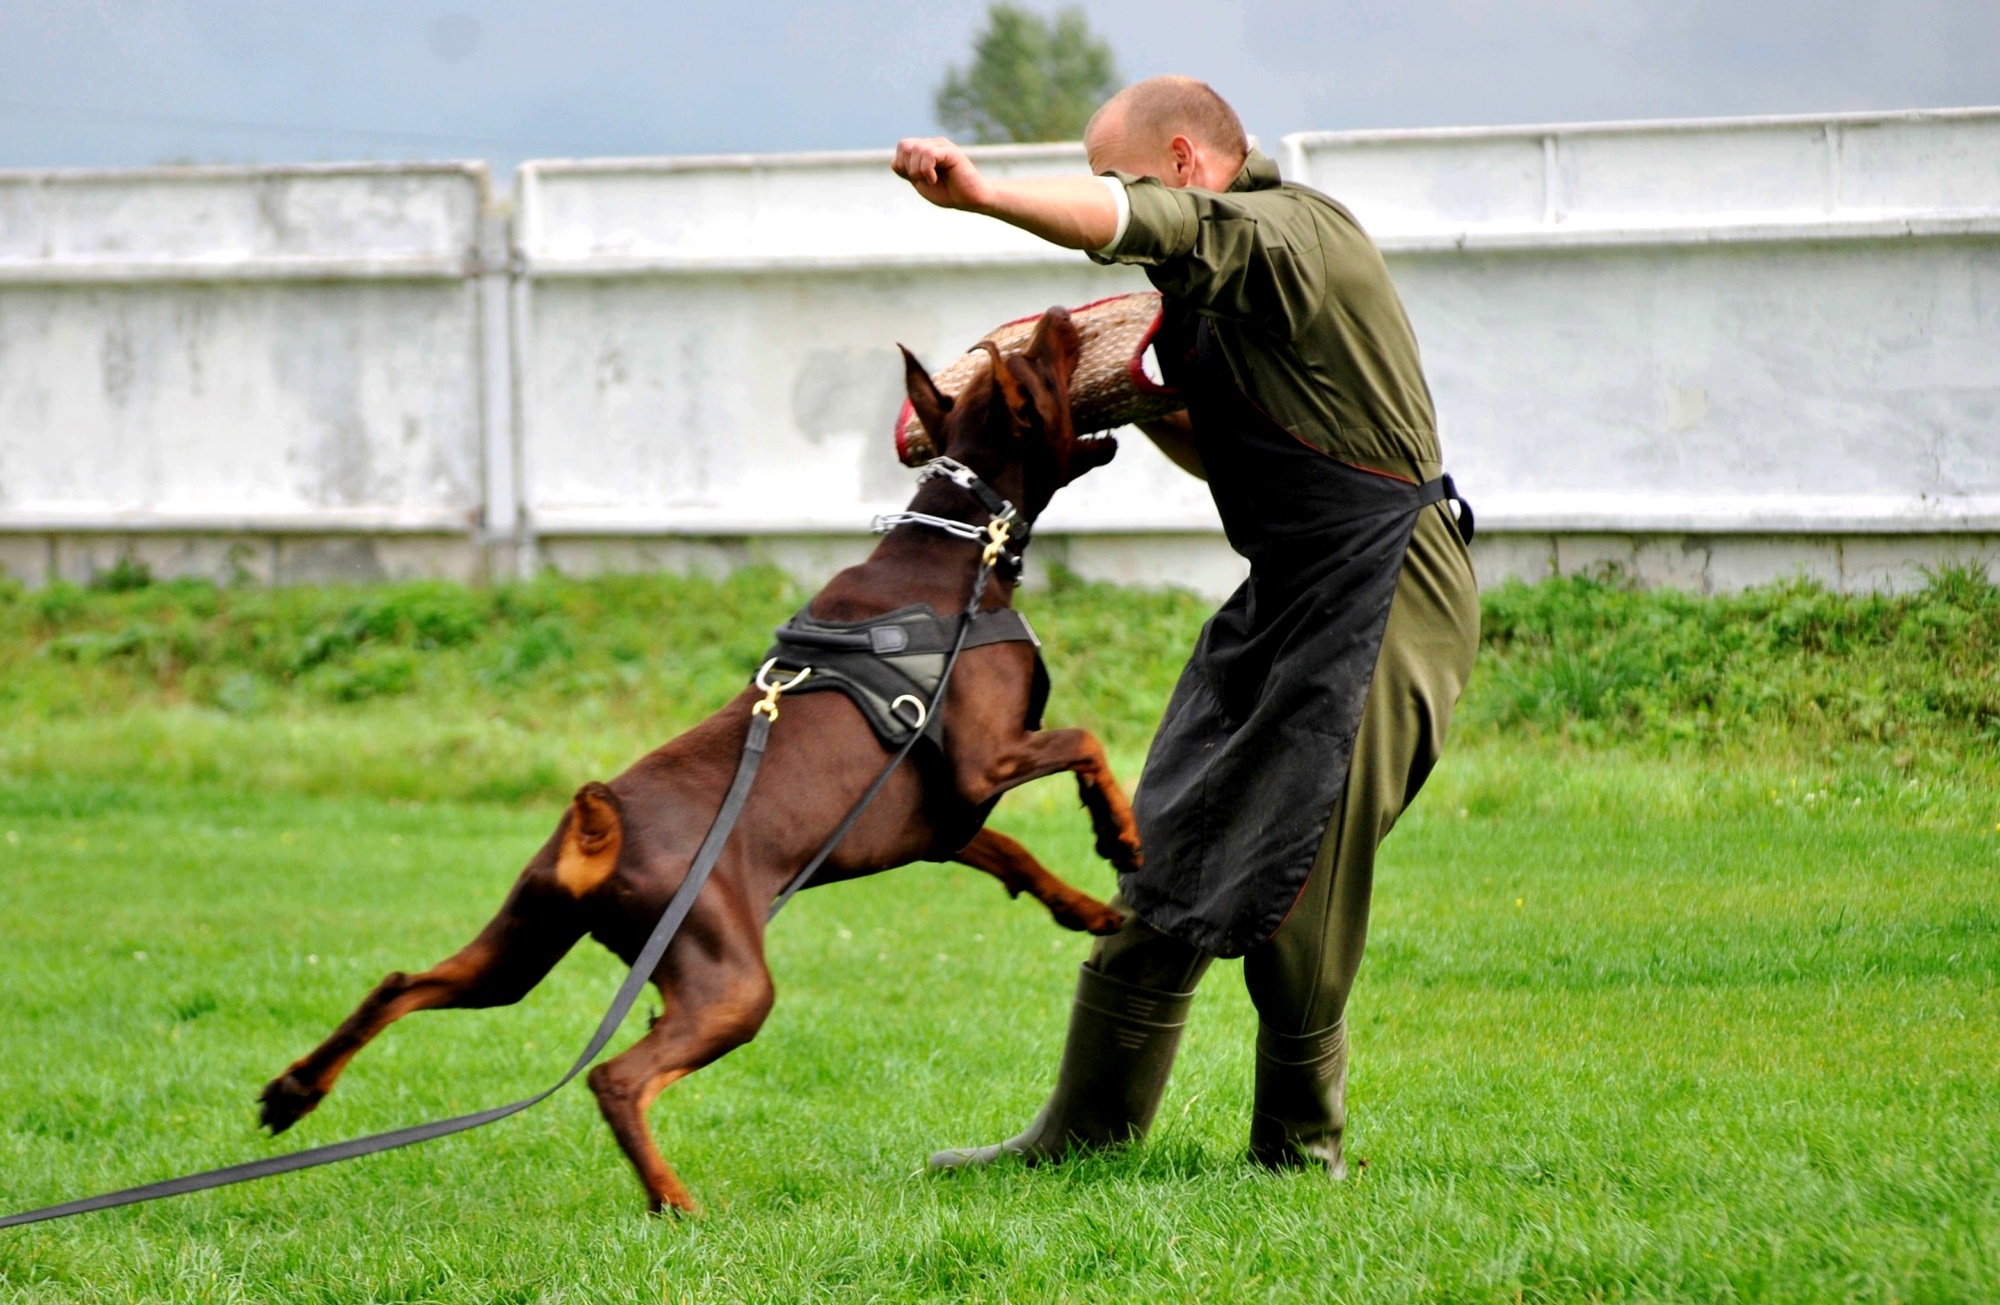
{"points": [[762, 715], [621, 1005]]}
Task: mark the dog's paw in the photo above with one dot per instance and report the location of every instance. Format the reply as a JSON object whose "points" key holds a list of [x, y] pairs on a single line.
{"points": [[284, 1102], [1122, 851], [674, 1204], [1088, 915]]}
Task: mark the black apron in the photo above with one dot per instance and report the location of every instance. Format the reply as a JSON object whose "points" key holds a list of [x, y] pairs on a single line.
{"points": [[1254, 751]]}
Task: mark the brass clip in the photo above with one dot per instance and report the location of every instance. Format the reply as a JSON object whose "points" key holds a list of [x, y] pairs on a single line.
{"points": [[767, 707], [997, 531]]}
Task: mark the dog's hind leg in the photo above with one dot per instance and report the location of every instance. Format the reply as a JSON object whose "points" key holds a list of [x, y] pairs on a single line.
{"points": [[714, 1005], [537, 925], [534, 929], [1018, 871]]}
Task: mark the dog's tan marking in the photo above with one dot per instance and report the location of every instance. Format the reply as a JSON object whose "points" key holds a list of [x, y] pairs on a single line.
{"points": [[590, 840]]}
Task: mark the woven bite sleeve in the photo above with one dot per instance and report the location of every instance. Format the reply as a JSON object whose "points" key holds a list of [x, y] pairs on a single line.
{"points": [[1110, 387]]}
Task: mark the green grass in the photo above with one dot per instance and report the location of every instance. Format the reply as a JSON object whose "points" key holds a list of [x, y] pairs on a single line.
{"points": [[1682, 981]]}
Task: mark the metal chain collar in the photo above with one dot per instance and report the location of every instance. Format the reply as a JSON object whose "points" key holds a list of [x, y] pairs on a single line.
{"points": [[994, 535]]}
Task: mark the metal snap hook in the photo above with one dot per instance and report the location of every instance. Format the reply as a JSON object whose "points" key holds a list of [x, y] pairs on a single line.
{"points": [[768, 706], [997, 531]]}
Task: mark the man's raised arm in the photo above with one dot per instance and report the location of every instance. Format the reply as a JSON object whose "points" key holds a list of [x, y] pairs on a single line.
{"points": [[1074, 212]]}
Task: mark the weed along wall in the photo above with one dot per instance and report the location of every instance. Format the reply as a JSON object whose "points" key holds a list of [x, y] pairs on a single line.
{"points": [[1710, 353]]}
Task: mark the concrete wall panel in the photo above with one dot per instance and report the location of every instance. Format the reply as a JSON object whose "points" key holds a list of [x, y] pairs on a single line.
{"points": [[218, 402], [1874, 563]]}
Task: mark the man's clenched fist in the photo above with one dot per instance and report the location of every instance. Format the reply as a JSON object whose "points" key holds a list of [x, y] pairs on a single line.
{"points": [[941, 173]]}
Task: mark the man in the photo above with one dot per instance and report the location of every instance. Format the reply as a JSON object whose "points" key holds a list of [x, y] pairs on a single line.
{"points": [[1318, 698]]}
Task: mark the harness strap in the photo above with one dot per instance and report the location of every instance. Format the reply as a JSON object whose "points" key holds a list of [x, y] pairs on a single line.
{"points": [[914, 629], [888, 665]]}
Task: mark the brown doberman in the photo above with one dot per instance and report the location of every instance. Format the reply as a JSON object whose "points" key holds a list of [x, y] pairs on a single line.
{"points": [[622, 848]]}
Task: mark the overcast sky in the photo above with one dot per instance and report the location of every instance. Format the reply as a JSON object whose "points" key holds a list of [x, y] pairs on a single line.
{"points": [[96, 82]]}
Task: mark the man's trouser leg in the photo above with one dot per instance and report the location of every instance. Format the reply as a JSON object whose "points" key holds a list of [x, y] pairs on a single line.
{"points": [[1300, 979]]}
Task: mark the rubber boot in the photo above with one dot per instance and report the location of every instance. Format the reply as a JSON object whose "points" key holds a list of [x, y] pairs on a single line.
{"points": [[1122, 1040], [1301, 1103]]}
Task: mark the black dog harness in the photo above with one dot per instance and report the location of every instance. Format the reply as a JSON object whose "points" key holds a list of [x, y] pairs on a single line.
{"points": [[889, 665]]}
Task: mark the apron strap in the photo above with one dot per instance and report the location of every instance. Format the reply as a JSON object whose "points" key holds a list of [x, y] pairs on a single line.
{"points": [[1445, 490]]}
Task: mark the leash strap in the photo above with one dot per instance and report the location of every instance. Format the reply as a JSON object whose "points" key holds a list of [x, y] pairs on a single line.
{"points": [[621, 1005], [648, 960]]}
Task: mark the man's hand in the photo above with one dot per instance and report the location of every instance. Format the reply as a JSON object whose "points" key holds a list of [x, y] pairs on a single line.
{"points": [[942, 173]]}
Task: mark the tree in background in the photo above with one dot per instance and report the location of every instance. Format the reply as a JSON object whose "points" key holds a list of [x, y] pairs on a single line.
{"points": [[1031, 78]]}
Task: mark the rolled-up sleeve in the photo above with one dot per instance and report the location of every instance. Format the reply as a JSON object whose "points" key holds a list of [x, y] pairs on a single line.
{"points": [[1244, 255]]}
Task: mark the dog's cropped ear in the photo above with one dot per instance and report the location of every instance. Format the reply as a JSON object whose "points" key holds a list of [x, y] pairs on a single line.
{"points": [[1055, 347], [1007, 379], [593, 833], [926, 399]]}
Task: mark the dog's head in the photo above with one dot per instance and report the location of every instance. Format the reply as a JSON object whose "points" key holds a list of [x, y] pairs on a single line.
{"points": [[1011, 422]]}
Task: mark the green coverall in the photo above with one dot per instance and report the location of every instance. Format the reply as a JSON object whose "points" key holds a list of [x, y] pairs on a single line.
{"points": [[1314, 333]]}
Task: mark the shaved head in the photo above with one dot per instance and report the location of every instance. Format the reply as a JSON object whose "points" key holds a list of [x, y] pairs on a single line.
{"points": [[1150, 113]]}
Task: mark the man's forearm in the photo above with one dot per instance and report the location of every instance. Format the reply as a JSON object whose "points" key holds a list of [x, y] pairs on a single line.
{"points": [[1074, 212], [1175, 436]]}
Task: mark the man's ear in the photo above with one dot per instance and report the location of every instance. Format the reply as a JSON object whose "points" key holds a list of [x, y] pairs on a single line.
{"points": [[926, 399], [1183, 153]]}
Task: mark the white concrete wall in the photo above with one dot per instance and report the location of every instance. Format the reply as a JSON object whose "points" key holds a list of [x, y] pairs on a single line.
{"points": [[1712, 353], [1751, 327], [1709, 352], [238, 349]]}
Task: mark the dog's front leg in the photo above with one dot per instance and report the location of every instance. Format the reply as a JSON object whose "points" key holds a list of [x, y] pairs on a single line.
{"points": [[1027, 757], [1018, 871]]}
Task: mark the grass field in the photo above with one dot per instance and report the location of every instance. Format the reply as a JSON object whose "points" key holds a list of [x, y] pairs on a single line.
{"points": [[1682, 983]]}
